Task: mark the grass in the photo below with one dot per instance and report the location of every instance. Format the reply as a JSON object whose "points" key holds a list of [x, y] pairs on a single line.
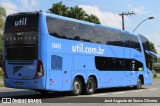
{"points": [[1, 85], [1, 73], [158, 77], [155, 75], [1, 77]]}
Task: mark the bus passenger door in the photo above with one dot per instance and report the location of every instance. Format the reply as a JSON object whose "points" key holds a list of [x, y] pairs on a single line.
{"points": [[55, 71], [127, 66], [66, 72], [134, 70]]}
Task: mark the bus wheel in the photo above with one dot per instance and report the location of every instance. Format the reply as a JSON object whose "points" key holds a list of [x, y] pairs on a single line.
{"points": [[139, 84], [77, 87], [90, 86]]}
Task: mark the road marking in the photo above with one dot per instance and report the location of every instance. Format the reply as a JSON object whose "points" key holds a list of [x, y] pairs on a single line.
{"points": [[137, 90], [118, 93], [153, 89], [98, 94]]}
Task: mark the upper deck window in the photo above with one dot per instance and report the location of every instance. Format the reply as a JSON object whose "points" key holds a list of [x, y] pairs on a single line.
{"points": [[66, 29]]}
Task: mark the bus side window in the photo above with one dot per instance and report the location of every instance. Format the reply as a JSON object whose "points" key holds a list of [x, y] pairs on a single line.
{"points": [[71, 30], [127, 66], [149, 63], [136, 65], [97, 35], [135, 43], [139, 66], [109, 63], [56, 62], [126, 40], [114, 38], [117, 64]]}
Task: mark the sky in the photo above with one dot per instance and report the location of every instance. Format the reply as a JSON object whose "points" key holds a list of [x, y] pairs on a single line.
{"points": [[107, 11]]}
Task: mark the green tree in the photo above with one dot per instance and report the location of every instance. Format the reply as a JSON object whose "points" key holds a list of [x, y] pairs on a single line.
{"points": [[2, 17], [59, 9], [1, 25], [158, 60], [92, 18], [152, 47], [40, 11], [73, 12], [77, 13]]}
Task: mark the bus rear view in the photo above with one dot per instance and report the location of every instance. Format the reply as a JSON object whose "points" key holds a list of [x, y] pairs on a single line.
{"points": [[22, 66]]}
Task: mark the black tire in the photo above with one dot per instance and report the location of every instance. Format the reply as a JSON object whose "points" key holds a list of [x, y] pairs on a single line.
{"points": [[90, 86], [139, 84], [77, 87]]}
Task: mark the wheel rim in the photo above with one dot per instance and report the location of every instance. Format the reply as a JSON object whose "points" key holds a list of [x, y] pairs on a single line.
{"points": [[90, 86], [139, 83], [76, 87]]}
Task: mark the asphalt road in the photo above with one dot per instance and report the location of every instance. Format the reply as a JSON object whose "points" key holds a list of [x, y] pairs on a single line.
{"points": [[63, 97]]}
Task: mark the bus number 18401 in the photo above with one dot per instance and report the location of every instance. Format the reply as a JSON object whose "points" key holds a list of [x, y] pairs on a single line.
{"points": [[56, 45]]}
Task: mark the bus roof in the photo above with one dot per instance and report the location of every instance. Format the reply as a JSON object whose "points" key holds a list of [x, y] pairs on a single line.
{"points": [[77, 21]]}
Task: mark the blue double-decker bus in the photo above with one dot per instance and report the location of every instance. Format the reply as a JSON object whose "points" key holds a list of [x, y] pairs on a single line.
{"points": [[47, 52]]}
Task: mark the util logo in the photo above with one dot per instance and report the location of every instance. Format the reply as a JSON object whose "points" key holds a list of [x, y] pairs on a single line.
{"points": [[21, 22]]}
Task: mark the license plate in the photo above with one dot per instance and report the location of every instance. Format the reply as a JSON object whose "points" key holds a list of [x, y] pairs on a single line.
{"points": [[19, 83]]}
